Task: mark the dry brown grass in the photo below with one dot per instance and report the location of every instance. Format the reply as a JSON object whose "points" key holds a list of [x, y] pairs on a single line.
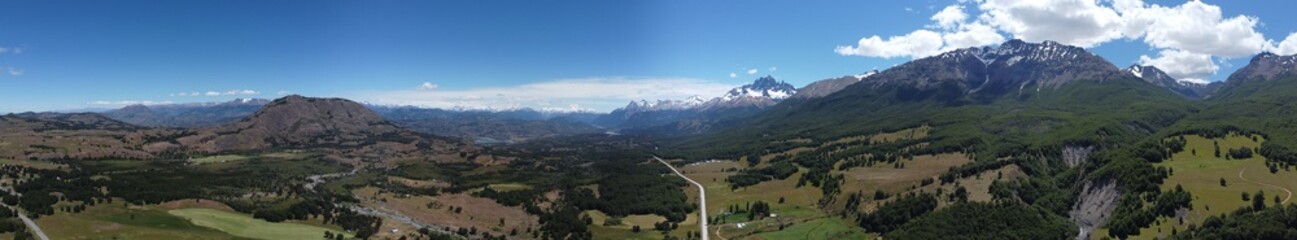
{"points": [[906, 134], [484, 214], [417, 183], [892, 180]]}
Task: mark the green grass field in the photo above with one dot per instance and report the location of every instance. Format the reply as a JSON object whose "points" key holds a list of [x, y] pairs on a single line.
{"points": [[248, 227], [218, 159], [115, 221], [1200, 175], [31, 163], [824, 228]]}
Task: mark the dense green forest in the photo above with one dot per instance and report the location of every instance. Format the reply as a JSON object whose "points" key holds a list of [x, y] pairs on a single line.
{"points": [[1124, 120]]}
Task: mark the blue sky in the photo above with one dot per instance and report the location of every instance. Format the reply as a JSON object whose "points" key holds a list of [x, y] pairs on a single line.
{"points": [[593, 55]]}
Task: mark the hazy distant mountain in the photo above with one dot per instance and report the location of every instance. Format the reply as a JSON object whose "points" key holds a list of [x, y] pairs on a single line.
{"points": [[1157, 77], [301, 122], [829, 86], [1263, 69], [61, 121], [187, 115], [740, 101], [490, 127]]}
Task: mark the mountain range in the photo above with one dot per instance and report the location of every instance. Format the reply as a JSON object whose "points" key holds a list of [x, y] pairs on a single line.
{"points": [[695, 114], [1081, 138]]}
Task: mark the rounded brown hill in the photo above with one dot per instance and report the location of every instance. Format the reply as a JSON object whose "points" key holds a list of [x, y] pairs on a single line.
{"points": [[302, 122]]}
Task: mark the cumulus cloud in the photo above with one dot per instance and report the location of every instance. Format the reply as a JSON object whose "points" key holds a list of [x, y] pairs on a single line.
{"points": [[920, 43], [1182, 64], [971, 35], [1191, 38], [734, 75], [772, 69], [14, 71], [1193, 26], [953, 30], [427, 86], [752, 71], [1287, 47], [601, 94], [1082, 23], [950, 17]]}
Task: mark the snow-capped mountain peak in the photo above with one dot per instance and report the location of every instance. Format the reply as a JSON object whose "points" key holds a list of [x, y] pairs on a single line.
{"points": [[1137, 70], [865, 75], [764, 87]]}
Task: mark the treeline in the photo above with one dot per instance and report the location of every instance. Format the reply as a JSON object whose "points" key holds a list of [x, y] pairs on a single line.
{"points": [[753, 176], [1246, 223], [892, 215], [141, 185], [622, 195], [1131, 214], [986, 221]]}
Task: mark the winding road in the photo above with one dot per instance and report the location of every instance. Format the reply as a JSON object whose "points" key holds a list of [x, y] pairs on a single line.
{"points": [[1285, 200], [40, 234], [702, 198], [32, 225]]}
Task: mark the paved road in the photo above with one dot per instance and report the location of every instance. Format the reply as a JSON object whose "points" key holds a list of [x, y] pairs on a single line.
{"points": [[702, 198], [32, 225], [1285, 200]]}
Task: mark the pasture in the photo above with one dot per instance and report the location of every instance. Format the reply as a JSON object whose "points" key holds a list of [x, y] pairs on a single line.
{"points": [[245, 226], [1199, 171]]}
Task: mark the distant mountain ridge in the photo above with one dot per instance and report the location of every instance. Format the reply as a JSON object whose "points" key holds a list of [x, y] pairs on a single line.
{"points": [[988, 72], [829, 86], [761, 93], [187, 115], [490, 127], [297, 122], [1157, 77]]}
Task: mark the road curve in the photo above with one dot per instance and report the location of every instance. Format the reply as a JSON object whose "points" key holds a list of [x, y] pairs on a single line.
{"points": [[32, 225], [702, 198], [1285, 200]]}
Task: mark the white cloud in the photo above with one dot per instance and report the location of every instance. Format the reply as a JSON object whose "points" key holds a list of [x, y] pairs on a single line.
{"points": [[570, 108], [234, 92], [733, 75], [603, 94], [971, 35], [1192, 38], [1193, 26], [950, 17], [772, 69], [1182, 64], [241, 92], [752, 71], [14, 71], [1082, 23], [4, 50], [127, 102], [920, 43], [427, 86], [282, 93], [1287, 47]]}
